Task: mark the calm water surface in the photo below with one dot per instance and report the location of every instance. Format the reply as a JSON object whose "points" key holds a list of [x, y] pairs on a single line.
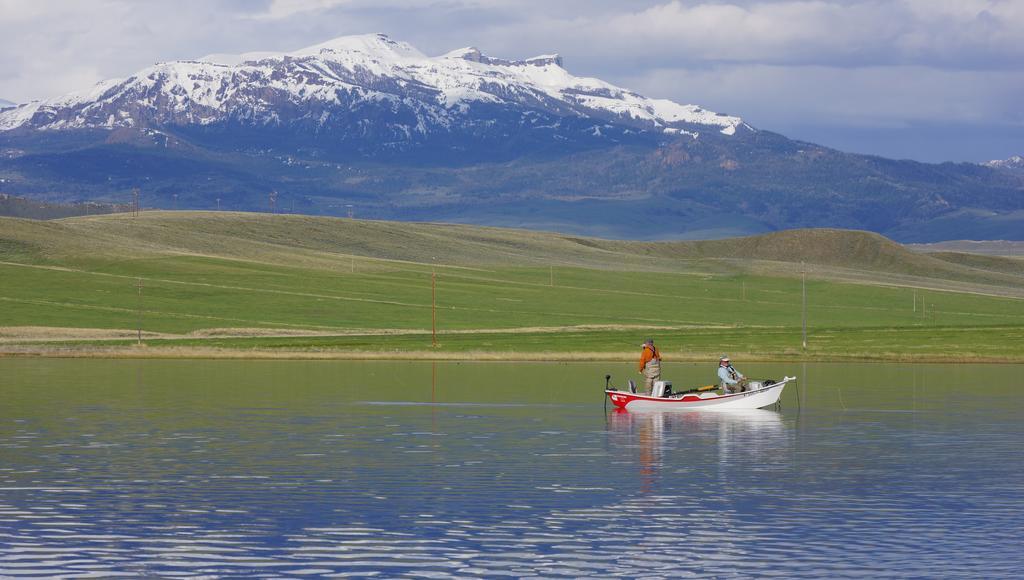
{"points": [[300, 469]]}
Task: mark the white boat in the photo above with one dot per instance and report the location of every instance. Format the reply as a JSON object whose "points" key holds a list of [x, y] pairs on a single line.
{"points": [[760, 394]]}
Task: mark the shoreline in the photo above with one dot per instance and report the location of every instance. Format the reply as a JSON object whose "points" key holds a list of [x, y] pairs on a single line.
{"points": [[209, 353]]}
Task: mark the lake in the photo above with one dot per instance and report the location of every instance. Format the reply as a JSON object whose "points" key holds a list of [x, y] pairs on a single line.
{"points": [[292, 469]]}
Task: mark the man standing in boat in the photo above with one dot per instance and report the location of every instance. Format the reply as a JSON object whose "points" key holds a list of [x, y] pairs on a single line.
{"points": [[650, 365], [732, 381]]}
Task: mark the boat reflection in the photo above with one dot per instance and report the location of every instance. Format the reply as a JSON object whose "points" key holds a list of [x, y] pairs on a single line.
{"points": [[716, 443]]}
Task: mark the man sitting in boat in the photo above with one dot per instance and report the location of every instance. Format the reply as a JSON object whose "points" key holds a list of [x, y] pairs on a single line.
{"points": [[650, 365], [732, 381]]}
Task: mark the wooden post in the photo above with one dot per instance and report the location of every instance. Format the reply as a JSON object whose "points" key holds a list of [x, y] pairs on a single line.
{"points": [[139, 310], [803, 288], [433, 309]]}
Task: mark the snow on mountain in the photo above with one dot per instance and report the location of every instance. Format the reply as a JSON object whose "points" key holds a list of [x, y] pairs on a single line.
{"points": [[345, 81], [4, 103], [1015, 162]]}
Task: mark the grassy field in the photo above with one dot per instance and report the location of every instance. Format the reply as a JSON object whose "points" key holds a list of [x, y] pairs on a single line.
{"points": [[230, 284]]}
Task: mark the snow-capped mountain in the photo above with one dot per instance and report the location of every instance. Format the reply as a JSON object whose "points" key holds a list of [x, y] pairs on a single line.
{"points": [[1015, 162], [371, 124], [4, 104], [374, 89]]}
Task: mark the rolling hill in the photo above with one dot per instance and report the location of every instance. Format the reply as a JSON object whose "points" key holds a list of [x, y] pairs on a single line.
{"points": [[281, 237], [307, 286], [11, 206]]}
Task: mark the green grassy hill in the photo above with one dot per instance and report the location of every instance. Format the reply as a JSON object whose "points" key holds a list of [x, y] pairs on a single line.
{"points": [[308, 286], [1002, 265], [12, 206], [1003, 248]]}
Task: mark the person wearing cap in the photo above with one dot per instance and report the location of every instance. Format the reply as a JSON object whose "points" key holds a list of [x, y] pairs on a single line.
{"points": [[732, 381], [650, 365]]}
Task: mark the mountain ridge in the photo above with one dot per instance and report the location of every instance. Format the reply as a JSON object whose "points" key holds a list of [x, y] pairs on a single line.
{"points": [[350, 71], [1012, 163], [371, 126]]}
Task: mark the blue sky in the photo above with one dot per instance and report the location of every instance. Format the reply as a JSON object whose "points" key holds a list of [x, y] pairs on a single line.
{"points": [[933, 80]]}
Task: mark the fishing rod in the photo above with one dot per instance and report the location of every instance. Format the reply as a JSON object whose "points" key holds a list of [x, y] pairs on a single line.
{"points": [[607, 380]]}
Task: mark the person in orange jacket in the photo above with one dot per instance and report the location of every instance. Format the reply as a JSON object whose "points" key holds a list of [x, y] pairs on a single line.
{"points": [[650, 365]]}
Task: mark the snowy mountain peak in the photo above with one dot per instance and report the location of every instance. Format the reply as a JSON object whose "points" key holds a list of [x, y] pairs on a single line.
{"points": [[474, 54], [5, 104], [375, 45], [545, 59], [380, 45], [343, 85], [470, 53], [1014, 162]]}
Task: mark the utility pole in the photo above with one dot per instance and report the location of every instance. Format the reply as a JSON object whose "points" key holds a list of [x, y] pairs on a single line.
{"points": [[139, 309], [218, 204], [175, 197], [135, 202], [433, 309], [273, 202], [803, 289]]}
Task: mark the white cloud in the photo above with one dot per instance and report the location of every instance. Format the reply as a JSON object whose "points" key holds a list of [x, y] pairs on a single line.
{"points": [[878, 97], [974, 33], [280, 9]]}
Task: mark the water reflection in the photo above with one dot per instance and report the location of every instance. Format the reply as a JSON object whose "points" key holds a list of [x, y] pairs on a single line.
{"points": [[198, 469], [645, 432], [738, 440]]}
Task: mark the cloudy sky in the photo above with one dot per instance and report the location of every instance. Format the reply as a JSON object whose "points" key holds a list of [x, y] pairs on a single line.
{"points": [[933, 80]]}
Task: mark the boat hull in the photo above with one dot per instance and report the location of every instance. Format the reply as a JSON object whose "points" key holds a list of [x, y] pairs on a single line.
{"points": [[764, 396]]}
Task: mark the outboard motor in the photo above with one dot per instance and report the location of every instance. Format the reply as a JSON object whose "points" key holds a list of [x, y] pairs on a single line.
{"points": [[662, 388]]}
